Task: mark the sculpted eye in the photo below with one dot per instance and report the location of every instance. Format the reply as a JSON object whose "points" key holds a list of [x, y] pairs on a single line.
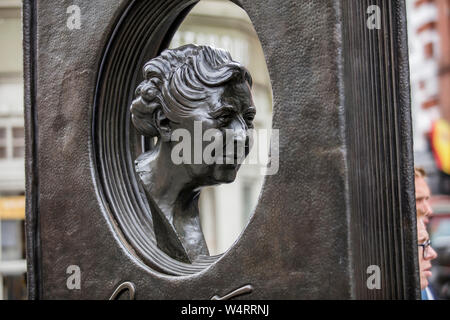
{"points": [[249, 116], [225, 117]]}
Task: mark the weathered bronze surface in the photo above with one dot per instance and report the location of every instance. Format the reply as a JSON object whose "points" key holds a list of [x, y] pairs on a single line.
{"points": [[343, 198], [187, 89]]}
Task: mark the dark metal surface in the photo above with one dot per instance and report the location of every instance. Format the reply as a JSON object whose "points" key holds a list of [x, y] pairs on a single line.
{"points": [[31, 169], [190, 90], [116, 144], [302, 241], [379, 133]]}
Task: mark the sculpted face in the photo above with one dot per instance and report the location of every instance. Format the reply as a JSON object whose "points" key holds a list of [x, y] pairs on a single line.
{"points": [[228, 112], [198, 98]]}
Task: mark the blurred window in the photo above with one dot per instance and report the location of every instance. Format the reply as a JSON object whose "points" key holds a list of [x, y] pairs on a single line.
{"points": [[12, 151], [12, 133], [12, 139], [18, 142], [12, 245], [3, 143]]}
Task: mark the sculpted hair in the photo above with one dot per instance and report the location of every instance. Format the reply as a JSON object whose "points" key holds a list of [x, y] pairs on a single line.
{"points": [[177, 80]]}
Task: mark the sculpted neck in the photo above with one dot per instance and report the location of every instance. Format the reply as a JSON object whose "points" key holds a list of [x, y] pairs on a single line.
{"points": [[173, 191]]}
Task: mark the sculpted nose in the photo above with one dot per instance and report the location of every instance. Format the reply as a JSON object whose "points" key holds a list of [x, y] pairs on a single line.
{"points": [[237, 139], [239, 130]]}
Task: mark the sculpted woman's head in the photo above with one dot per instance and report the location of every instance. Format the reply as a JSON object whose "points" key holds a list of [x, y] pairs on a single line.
{"points": [[186, 89], [195, 83]]}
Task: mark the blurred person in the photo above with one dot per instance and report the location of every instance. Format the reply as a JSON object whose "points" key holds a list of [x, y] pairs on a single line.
{"points": [[423, 195], [424, 211], [426, 254]]}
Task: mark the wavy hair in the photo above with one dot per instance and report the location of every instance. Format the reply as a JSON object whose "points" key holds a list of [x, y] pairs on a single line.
{"points": [[178, 79]]}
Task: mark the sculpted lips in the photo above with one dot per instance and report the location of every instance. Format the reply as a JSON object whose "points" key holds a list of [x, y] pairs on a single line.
{"points": [[230, 159], [235, 156]]}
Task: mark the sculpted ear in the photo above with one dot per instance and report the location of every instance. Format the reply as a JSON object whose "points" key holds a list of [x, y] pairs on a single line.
{"points": [[163, 125]]}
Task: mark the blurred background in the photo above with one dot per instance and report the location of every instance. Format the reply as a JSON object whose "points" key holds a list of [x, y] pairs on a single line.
{"points": [[225, 210], [429, 46], [12, 175]]}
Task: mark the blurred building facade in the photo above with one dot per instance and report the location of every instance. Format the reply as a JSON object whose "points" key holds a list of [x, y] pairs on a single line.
{"points": [[429, 42], [12, 150]]}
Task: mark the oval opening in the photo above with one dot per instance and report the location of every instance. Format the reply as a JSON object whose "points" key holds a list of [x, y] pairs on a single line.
{"points": [[143, 31], [225, 210]]}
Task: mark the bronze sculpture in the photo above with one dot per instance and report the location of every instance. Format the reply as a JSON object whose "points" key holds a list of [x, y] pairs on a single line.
{"points": [[319, 223], [186, 89]]}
